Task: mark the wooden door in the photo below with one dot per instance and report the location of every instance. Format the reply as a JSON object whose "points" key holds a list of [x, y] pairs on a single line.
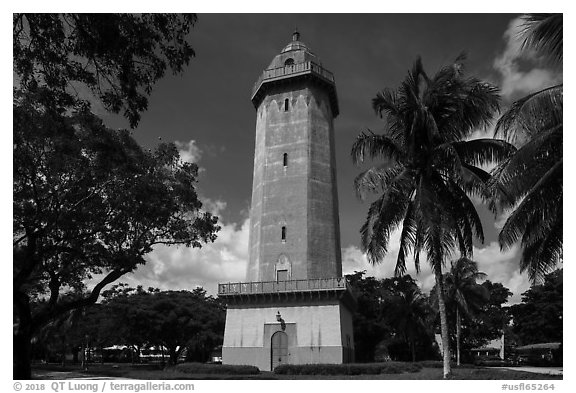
{"points": [[279, 349]]}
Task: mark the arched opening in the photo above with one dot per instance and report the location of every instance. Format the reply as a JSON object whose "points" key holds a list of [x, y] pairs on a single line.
{"points": [[279, 349], [286, 105], [289, 62]]}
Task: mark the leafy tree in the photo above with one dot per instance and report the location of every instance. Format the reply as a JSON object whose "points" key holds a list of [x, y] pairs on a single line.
{"points": [[429, 170], [89, 201], [139, 319], [463, 293], [128, 319], [407, 310], [491, 320], [530, 181], [538, 319], [117, 57], [181, 318], [370, 326]]}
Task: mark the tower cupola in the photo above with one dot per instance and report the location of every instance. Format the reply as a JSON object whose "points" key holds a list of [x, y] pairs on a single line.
{"points": [[295, 61]]}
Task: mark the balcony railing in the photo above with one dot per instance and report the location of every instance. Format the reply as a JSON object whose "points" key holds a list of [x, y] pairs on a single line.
{"points": [[293, 70], [262, 287]]}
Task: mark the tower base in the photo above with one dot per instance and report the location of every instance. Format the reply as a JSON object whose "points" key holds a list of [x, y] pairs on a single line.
{"points": [[289, 328]]}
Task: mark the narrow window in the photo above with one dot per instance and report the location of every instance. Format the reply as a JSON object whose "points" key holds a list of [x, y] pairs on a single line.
{"points": [[286, 105], [283, 234], [285, 160]]}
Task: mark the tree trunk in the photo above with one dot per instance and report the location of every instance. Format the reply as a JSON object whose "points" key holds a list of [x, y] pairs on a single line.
{"points": [[413, 346], [21, 354], [443, 321], [63, 362], [458, 331], [22, 347], [173, 353]]}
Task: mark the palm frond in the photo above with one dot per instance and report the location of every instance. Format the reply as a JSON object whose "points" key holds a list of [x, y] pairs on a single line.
{"points": [[532, 114], [543, 200], [543, 32], [483, 151], [376, 146], [375, 180], [516, 175], [407, 241], [543, 256], [384, 215]]}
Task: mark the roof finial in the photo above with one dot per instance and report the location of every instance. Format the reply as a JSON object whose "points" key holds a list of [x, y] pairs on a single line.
{"points": [[295, 35]]}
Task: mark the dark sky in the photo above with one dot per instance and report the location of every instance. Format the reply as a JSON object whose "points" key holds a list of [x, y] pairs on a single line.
{"points": [[210, 102]]}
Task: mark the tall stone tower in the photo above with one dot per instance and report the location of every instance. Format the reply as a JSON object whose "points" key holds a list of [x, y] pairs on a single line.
{"points": [[295, 306]]}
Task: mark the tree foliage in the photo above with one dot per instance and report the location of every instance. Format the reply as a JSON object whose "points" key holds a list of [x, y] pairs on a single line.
{"points": [[538, 319], [88, 201], [529, 183], [409, 312], [392, 319], [116, 57], [544, 33], [464, 296], [141, 319]]}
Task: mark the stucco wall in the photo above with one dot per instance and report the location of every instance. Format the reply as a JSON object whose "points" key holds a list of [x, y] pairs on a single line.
{"points": [[316, 333]]}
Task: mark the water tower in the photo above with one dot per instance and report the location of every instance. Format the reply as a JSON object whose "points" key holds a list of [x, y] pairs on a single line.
{"points": [[294, 307]]}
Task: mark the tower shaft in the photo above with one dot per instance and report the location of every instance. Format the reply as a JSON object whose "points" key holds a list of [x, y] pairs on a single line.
{"points": [[294, 231]]}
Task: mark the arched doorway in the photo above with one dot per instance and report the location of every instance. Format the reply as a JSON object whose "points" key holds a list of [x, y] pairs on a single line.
{"points": [[279, 349]]}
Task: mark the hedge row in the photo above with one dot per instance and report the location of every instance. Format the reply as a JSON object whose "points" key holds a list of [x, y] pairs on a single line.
{"points": [[440, 364], [347, 369], [201, 368]]}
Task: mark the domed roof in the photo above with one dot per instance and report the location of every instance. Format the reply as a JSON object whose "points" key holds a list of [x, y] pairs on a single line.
{"points": [[297, 51], [295, 62], [296, 44]]}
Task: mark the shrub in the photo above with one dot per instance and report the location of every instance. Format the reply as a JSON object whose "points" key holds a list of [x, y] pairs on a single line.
{"points": [[347, 369], [202, 368], [440, 364]]}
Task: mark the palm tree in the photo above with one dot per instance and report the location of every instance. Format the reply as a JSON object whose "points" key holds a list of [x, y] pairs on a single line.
{"points": [[530, 182], [465, 294], [429, 170], [408, 310]]}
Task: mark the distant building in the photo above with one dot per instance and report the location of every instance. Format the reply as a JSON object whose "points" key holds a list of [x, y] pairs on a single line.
{"points": [[540, 354], [295, 307]]}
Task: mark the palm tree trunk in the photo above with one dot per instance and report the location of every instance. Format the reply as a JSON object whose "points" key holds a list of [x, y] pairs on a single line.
{"points": [[443, 320], [458, 331]]}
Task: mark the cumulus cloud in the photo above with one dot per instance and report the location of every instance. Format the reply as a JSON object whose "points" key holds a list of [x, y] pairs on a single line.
{"points": [[189, 151], [178, 267], [214, 207], [503, 267], [516, 82], [499, 266], [184, 268]]}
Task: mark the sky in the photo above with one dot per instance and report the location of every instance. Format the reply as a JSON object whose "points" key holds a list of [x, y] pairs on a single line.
{"points": [[207, 112]]}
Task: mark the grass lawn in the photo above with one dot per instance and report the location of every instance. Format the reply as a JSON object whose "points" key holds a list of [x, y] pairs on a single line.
{"points": [[147, 372]]}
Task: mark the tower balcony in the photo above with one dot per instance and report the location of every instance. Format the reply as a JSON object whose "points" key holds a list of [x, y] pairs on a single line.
{"points": [[276, 76], [312, 288]]}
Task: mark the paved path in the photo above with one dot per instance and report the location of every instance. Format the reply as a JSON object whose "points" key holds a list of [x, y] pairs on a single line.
{"points": [[537, 370]]}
